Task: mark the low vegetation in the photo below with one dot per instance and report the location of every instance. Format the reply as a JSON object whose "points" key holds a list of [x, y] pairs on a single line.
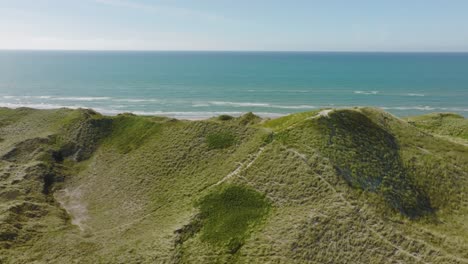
{"points": [[331, 186], [220, 140], [229, 213], [446, 124], [225, 117], [130, 132]]}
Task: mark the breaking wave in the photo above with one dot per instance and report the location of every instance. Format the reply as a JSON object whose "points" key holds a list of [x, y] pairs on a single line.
{"points": [[366, 92]]}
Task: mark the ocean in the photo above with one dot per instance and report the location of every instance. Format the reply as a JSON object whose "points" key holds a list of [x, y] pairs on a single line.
{"points": [[194, 85]]}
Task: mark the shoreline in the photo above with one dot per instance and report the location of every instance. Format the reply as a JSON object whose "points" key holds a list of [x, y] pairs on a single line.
{"points": [[197, 110], [194, 116], [191, 116]]}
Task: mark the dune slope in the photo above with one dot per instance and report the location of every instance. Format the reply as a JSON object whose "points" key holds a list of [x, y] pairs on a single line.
{"points": [[331, 186]]}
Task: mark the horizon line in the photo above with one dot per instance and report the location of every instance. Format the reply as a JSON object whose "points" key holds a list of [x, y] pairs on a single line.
{"points": [[238, 51]]}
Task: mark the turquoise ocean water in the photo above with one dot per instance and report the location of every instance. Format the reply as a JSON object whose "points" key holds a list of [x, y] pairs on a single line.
{"points": [[203, 84]]}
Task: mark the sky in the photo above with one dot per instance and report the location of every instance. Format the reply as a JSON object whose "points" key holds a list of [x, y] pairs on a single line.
{"points": [[256, 25]]}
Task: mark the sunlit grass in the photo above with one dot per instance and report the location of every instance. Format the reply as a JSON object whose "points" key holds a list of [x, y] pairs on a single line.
{"points": [[229, 213]]}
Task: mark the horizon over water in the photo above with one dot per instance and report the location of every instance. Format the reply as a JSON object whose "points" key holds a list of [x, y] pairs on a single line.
{"points": [[201, 84]]}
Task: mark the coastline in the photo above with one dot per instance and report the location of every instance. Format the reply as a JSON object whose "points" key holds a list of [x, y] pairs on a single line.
{"points": [[194, 116], [200, 85], [207, 108]]}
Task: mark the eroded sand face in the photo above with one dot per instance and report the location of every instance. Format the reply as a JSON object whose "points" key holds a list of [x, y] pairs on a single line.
{"points": [[323, 113], [71, 201]]}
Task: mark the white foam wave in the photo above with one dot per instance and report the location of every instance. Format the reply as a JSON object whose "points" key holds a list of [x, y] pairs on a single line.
{"points": [[71, 98], [87, 99], [131, 100], [415, 94], [39, 106], [299, 91], [278, 91], [81, 98], [366, 92], [294, 106], [265, 105], [118, 106], [200, 105], [26, 97], [238, 104]]}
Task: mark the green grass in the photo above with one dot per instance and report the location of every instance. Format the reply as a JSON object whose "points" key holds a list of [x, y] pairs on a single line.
{"points": [[220, 140], [229, 213], [351, 187], [74, 117], [284, 122], [248, 119], [446, 124], [130, 132], [9, 116], [366, 156]]}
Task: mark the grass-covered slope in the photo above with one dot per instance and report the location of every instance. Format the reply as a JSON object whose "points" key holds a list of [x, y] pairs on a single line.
{"points": [[443, 124], [331, 186]]}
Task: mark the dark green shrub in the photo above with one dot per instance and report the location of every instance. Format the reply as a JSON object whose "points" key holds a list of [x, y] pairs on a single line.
{"points": [[225, 117], [249, 119], [220, 140], [229, 213]]}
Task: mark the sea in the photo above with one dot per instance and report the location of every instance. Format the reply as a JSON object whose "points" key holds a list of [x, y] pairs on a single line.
{"points": [[197, 85]]}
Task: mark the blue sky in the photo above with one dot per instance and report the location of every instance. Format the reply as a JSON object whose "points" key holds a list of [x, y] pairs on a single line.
{"points": [[300, 25]]}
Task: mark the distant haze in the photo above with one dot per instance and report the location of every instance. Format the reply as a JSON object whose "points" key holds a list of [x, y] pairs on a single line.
{"points": [[298, 25]]}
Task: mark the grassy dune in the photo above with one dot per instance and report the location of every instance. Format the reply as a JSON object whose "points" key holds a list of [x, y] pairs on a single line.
{"points": [[331, 186]]}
